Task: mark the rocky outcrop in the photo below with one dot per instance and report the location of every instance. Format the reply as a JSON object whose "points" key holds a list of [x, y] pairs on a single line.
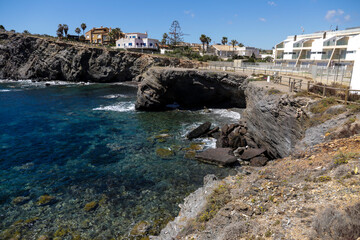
{"points": [[217, 156], [192, 206], [276, 122], [28, 57], [189, 88]]}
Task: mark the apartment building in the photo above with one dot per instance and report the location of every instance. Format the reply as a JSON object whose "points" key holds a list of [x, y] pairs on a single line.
{"points": [[137, 40], [325, 49], [98, 35]]}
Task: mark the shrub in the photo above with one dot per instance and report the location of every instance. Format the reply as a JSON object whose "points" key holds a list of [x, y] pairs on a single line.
{"points": [[322, 105], [336, 224], [218, 199]]}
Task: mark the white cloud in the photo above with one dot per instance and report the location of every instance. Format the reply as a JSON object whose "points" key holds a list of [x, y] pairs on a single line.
{"points": [[262, 19], [190, 13], [337, 16], [271, 3]]}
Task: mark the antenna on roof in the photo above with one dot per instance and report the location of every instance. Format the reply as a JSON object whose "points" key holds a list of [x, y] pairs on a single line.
{"points": [[302, 29], [330, 27]]}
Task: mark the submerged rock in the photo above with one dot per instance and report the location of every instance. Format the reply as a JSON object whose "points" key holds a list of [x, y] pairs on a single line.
{"points": [[218, 156], [91, 206], [20, 200], [45, 200], [164, 152]]}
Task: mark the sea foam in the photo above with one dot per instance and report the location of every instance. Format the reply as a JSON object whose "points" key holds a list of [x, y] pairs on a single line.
{"points": [[119, 107]]}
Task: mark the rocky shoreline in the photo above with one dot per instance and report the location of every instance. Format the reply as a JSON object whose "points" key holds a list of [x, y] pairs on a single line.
{"points": [[29, 57]]}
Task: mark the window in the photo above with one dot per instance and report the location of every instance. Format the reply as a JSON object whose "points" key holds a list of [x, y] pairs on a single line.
{"points": [[119, 45], [99, 36], [130, 44], [87, 36], [151, 44], [139, 37], [144, 44], [134, 36], [137, 44]]}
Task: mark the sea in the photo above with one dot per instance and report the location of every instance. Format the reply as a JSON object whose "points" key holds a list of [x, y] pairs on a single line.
{"points": [[77, 161]]}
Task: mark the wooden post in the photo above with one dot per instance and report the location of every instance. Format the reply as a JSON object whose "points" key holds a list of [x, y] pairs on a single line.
{"points": [[346, 95], [308, 86], [289, 80], [324, 89], [300, 84]]}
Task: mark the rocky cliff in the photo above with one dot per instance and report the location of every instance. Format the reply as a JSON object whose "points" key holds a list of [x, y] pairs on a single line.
{"points": [[190, 88], [28, 57], [274, 120]]}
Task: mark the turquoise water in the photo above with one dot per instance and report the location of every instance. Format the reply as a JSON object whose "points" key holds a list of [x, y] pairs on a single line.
{"points": [[85, 143]]}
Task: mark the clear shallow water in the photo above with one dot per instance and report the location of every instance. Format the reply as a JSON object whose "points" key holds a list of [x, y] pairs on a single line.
{"points": [[87, 143]]}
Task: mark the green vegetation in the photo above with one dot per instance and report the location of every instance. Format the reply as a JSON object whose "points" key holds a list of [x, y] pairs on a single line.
{"points": [[343, 158], [224, 40], [273, 91], [322, 179], [323, 105], [186, 52], [2, 27], [218, 199], [45, 199], [83, 27]]}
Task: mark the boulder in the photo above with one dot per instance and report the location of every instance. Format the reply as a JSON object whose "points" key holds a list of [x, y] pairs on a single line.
{"points": [[218, 156], [258, 161], [251, 153], [213, 131], [222, 142], [203, 129]]}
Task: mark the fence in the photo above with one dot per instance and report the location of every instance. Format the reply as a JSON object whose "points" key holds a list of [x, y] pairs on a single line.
{"points": [[337, 74]]}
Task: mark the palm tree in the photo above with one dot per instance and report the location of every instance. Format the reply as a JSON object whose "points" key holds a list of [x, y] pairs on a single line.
{"points": [[66, 28], [233, 43], [241, 45], [115, 34], [83, 27], [2, 27], [208, 41], [224, 40], [60, 29], [165, 39], [59, 33], [203, 40], [78, 31]]}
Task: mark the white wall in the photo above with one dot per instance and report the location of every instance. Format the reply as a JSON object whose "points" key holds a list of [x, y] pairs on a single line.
{"points": [[355, 79]]}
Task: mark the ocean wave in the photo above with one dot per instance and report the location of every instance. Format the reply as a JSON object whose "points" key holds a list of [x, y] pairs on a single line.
{"points": [[226, 113], [116, 96], [119, 107]]}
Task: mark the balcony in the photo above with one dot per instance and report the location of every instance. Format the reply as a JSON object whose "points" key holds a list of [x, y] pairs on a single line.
{"points": [[342, 42], [329, 43], [280, 45], [298, 45]]}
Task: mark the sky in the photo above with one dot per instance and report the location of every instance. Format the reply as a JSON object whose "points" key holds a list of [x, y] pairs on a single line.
{"points": [[257, 23]]}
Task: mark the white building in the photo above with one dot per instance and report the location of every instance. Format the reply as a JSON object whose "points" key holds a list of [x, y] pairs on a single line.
{"points": [[229, 51], [323, 49], [137, 40]]}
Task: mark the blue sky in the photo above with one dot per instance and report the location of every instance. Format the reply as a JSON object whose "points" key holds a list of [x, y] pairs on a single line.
{"points": [[258, 23]]}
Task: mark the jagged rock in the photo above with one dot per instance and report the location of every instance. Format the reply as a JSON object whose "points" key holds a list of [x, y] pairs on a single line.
{"points": [[29, 57], [189, 88], [251, 153], [239, 151], [213, 131], [258, 161], [222, 142], [250, 142], [218, 156], [272, 120], [201, 130]]}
